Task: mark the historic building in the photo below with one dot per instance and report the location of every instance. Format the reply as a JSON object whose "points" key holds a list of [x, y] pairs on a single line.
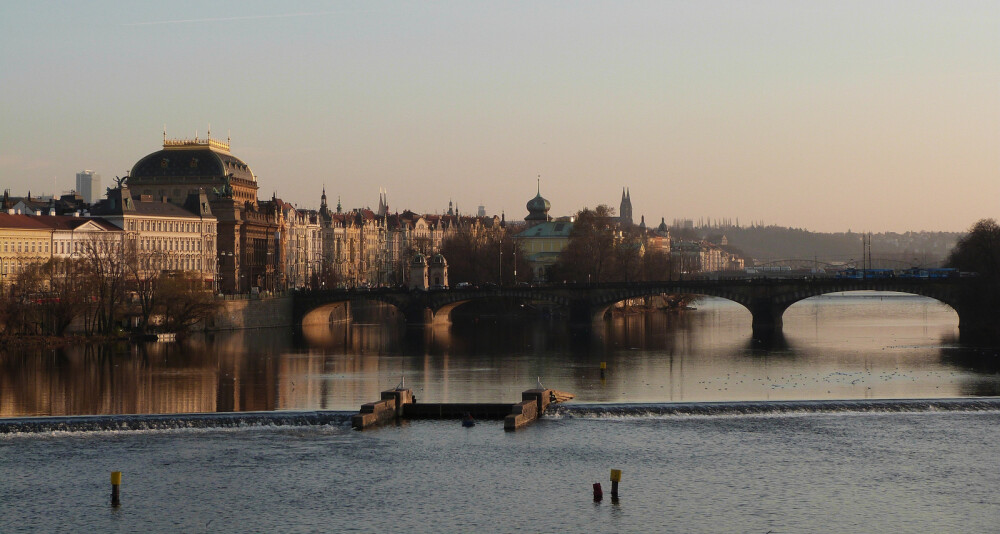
{"points": [[23, 241], [165, 236], [73, 236], [248, 246]]}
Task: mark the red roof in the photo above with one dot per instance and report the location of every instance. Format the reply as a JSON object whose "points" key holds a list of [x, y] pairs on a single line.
{"points": [[22, 222]]}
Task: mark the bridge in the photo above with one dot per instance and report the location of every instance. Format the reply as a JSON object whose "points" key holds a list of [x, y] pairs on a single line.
{"points": [[766, 299]]}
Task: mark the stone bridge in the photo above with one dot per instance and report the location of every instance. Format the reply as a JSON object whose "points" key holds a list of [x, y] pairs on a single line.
{"points": [[766, 299]]}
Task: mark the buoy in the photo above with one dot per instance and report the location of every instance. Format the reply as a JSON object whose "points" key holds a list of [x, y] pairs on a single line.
{"points": [[116, 482], [598, 493], [468, 421]]}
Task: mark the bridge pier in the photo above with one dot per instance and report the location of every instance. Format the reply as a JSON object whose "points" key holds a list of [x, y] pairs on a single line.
{"points": [[585, 313], [418, 315], [766, 323]]}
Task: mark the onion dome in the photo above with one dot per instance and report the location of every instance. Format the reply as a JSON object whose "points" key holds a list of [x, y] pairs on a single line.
{"points": [[538, 207]]}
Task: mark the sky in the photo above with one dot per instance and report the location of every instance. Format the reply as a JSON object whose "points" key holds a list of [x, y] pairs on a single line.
{"points": [[861, 115]]}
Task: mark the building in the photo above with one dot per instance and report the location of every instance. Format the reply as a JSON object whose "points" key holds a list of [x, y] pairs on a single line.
{"points": [[165, 236], [542, 243], [248, 246], [73, 237], [88, 185], [23, 241]]}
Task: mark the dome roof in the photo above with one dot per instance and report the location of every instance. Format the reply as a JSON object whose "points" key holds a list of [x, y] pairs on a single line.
{"points": [[538, 208], [418, 259], [200, 157], [438, 259]]}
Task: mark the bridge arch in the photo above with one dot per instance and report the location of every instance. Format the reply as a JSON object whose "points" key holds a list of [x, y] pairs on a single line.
{"points": [[767, 299], [443, 304]]}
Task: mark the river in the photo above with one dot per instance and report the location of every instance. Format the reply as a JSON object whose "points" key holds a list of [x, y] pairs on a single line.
{"points": [[783, 438]]}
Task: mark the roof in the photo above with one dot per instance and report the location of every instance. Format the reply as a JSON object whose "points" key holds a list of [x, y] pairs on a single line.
{"points": [[65, 222], [191, 159], [148, 208], [21, 222], [547, 229]]}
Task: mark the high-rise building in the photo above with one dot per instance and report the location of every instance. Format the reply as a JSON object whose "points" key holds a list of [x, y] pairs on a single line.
{"points": [[88, 184]]}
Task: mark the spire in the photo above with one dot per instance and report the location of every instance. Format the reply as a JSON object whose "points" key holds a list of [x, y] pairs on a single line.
{"points": [[338, 204], [539, 186], [623, 194]]}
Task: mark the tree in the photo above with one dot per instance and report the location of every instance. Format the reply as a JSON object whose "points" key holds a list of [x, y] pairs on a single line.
{"points": [[182, 302], [143, 274], [66, 296], [479, 256], [600, 250], [978, 251], [106, 259], [469, 256]]}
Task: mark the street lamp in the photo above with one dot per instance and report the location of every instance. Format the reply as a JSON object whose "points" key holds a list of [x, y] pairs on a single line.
{"points": [[500, 264]]}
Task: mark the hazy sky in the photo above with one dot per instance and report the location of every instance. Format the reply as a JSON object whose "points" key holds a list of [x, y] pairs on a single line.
{"points": [[828, 116]]}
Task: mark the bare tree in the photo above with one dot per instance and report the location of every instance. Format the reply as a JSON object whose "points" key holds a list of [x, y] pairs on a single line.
{"points": [[182, 301], [106, 258]]}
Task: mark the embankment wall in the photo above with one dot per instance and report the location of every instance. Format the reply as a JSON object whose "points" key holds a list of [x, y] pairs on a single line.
{"points": [[252, 313]]}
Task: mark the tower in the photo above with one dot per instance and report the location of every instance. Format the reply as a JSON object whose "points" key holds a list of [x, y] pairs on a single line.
{"points": [[538, 207], [625, 209]]}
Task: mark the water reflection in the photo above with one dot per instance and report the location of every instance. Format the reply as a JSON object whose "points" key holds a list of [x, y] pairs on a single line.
{"points": [[832, 347]]}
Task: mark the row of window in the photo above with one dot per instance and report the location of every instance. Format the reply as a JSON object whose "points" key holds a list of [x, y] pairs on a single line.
{"points": [[178, 244], [169, 226], [25, 246]]}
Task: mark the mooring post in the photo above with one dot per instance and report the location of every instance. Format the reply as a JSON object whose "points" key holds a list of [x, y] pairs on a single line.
{"points": [[604, 366], [116, 482], [616, 477]]}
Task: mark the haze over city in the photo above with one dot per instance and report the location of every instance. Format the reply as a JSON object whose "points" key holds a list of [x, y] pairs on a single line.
{"points": [[835, 116]]}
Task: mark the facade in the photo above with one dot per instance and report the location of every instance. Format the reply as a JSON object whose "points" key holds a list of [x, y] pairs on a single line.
{"points": [[437, 272], [165, 236], [418, 273], [543, 243], [88, 185], [705, 257], [72, 237], [23, 241]]}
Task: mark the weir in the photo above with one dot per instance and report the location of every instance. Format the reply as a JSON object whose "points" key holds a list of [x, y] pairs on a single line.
{"points": [[397, 404]]}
